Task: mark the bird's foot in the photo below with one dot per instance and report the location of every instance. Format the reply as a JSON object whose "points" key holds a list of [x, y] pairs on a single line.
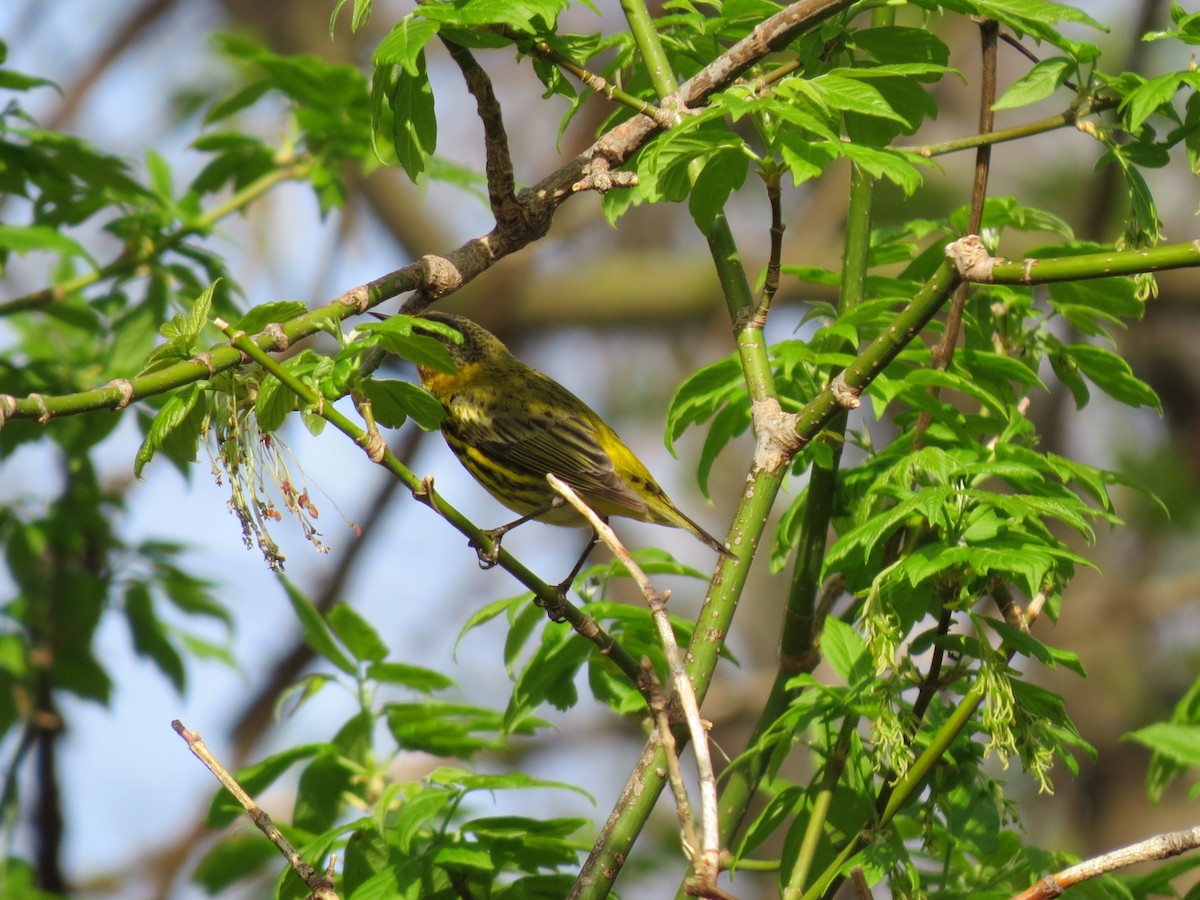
{"points": [[487, 558], [556, 610]]}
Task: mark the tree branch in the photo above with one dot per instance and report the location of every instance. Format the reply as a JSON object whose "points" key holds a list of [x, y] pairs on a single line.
{"points": [[1162, 846], [319, 883]]}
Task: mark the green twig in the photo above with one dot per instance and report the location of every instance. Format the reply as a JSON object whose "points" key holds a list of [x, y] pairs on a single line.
{"points": [[422, 490], [800, 628], [1016, 133], [633, 808], [119, 394], [597, 83], [1088, 265], [834, 766]]}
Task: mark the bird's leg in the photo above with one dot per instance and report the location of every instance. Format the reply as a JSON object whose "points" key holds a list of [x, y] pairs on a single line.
{"points": [[565, 585], [487, 558]]}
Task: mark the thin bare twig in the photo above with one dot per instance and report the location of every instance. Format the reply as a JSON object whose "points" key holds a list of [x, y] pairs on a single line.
{"points": [[660, 708], [706, 860], [944, 352], [773, 179], [320, 883], [1162, 846], [498, 163]]}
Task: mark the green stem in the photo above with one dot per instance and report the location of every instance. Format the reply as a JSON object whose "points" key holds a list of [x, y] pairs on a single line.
{"points": [[117, 395], [822, 803], [546, 595], [797, 643], [641, 25], [908, 786], [647, 781], [591, 80], [1092, 265], [1016, 133], [878, 354]]}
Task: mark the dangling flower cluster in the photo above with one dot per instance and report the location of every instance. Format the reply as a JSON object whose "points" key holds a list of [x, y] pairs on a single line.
{"points": [[255, 461]]}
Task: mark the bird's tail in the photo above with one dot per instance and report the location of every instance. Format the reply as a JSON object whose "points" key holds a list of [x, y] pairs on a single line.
{"points": [[688, 525]]}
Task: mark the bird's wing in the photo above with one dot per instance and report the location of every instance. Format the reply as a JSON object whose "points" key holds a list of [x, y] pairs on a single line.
{"points": [[566, 446]]}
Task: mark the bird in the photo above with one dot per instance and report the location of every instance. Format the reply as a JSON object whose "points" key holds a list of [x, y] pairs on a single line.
{"points": [[511, 425]]}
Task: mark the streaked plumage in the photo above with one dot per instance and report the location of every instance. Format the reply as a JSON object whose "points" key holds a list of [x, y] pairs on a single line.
{"points": [[510, 425]]}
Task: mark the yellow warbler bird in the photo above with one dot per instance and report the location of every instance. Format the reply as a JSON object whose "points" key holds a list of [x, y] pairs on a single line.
{"points": [[510, 425]]}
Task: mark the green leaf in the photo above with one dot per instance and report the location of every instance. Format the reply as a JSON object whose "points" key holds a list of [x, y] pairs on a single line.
{"points": [[525, 16], [845, 651], [724, 172], [1140, 103], [895, 44], [237, 857], [268, 313], [854, 95], [255, 779], [444, 729], [273, 404], [1026, 644], [198, 314], [898, 167], [403, 46], [176, 414], [160, 175], [319, 792], [1177, 742], [24, 238], [804, 159], [459, 856], [702, 395], [150, 635], [418, 812], [414, 122], [317, 634], [1088, 304], [236, 102], [356, 634], [18, 81], [490, 611], [1037, 84], [392, 402], [730, 421], [404, 675], [365, 856], [1112, 374], [419, 348], [548, 676]]}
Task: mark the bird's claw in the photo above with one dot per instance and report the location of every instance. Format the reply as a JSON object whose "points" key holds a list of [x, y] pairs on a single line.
{"points": [[556, 611], [488, 558]]}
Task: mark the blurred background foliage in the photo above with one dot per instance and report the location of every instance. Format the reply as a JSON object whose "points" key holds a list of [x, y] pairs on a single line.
{"points": [[621, 315]]}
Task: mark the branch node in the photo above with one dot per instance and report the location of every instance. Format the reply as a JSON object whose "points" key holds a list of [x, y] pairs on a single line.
{"points": [[205, 359], [275, 331], [971, 259], [846, 396], [425, 493], [43, 411], [8, 406], [776, 433], [357, 298], [439, 276], [125, 387], [598, 176], [374, 444]]}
